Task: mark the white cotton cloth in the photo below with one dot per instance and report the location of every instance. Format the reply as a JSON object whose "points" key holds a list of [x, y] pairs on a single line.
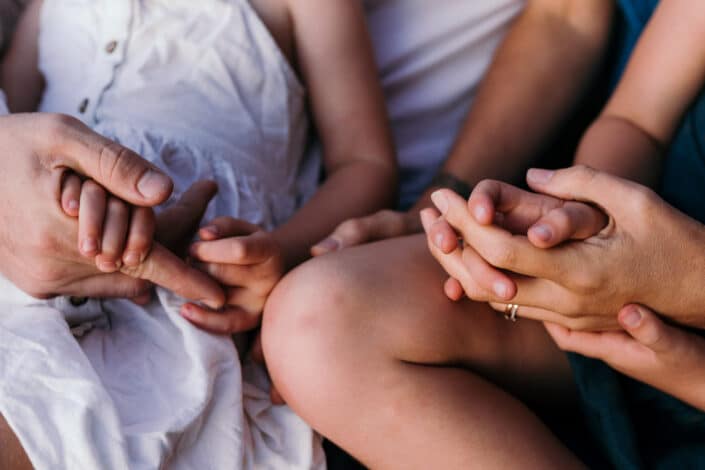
{"points": [[431, 57], [200, 89]]}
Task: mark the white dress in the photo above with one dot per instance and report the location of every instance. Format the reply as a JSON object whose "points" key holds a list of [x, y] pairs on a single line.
{"points": [[200, 89]]}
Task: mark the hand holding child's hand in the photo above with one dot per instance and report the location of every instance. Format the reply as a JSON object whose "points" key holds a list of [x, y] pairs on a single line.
{"points": [[649, 350], [118, 236], [248, 262], [546, 221]]}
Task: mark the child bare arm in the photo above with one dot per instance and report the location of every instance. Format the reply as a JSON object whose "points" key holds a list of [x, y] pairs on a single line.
{"points": [[20, 77], [335, 58], [663, 77]]}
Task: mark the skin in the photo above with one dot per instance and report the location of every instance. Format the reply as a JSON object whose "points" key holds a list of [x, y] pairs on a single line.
{"points": [[646, 347], [375, 317], [627, 140], [373, 373], [324, 40], [570, 36], [337, 67]]}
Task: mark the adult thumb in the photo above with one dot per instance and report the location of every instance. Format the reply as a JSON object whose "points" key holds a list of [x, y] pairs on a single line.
{"points": [[177, 224], [582, 183], [71, 144]]}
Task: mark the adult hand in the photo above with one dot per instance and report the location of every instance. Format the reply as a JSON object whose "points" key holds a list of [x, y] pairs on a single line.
{"points": [[666, 357], [379, 226], [649, 254], [548, 221], [38, 252]]}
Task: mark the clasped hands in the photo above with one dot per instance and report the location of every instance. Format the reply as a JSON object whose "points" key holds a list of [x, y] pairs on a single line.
{"points": [[590, 255], [234, 264]]}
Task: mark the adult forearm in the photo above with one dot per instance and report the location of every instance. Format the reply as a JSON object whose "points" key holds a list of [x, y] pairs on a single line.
{"points": [[539, 75], [353, 190]]}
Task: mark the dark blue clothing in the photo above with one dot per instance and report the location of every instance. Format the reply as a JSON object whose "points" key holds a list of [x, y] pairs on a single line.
{"points": [[638, 426]]}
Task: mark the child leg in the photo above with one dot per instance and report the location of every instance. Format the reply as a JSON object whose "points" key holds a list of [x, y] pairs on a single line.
{"points": [[365, 346]]}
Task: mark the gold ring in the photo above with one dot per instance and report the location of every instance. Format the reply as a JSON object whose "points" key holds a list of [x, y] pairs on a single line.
{"points": [[510, 312]]}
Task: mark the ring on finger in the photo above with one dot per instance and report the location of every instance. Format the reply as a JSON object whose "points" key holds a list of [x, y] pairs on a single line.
{"points": [[510, 312]]}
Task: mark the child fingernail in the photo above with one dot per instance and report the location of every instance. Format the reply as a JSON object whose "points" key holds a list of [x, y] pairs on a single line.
{"points": [[132, 259], [440, 201], [72, 205], [108, 266], [480, 213], [539, 176], [187, 312], [89, 246], [632, 318], [542, 232]]}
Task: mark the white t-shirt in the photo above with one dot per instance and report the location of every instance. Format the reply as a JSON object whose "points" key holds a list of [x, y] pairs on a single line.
{"points": [[431, 57]]}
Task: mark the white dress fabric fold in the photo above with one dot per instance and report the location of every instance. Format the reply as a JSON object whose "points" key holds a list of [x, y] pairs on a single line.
{"points": [[200, 89]]}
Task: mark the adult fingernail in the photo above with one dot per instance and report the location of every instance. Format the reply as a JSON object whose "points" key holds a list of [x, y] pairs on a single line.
{"points": [[132, 259], [438, 240], [542, 232], [539, 176], [329, 244], [632, 318], [480, 214], [427, 218], [153, 184], [89, 246], [501, 290], [440, 201]]}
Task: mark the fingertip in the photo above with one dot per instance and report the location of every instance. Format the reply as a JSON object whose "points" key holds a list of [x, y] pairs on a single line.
{"points": [[71, 207], [89, 247], [541, 236], [631, 317], [328, 245], [154, 186], [209, 233], [427, 216], [504, 290], [440, 200], [539, 177], [453, 289]]}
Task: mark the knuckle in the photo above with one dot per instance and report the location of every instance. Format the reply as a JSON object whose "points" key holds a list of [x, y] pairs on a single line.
{"points": [[118, 207], [57, 125], [584, 282], [114, 159], [502, 257], [643, 200], [46, 273]]}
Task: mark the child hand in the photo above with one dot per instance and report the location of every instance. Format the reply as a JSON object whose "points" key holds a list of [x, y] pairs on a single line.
{"points": [[248, 262], [666, 357], [110, 230]]}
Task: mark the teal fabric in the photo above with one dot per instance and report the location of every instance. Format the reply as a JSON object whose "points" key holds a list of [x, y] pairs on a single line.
{"points": [[638, 426]]}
